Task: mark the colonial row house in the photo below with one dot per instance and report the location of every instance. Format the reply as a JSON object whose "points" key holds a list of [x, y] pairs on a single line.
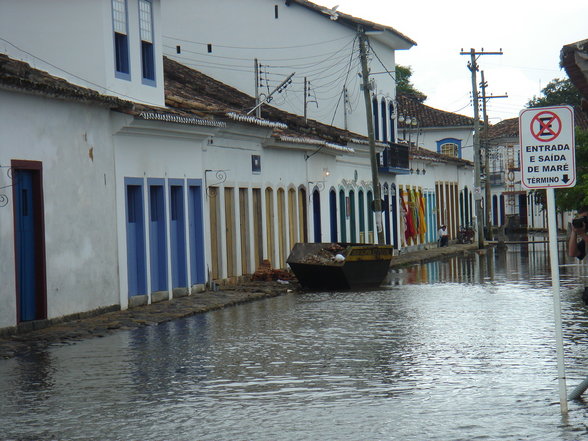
{"points": [[441, 165], [144, 155], [512, 206]]}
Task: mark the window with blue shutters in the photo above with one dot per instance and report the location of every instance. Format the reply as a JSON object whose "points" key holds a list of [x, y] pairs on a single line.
{"points": [[121, 39], [146, 34]]}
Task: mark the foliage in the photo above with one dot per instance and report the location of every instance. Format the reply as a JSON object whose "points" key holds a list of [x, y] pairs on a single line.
{"points": [[403, 84], [575, 197], [557, 92]]}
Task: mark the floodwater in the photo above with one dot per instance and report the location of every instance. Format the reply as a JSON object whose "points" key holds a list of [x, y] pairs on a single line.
{"points": [[462, 349]]}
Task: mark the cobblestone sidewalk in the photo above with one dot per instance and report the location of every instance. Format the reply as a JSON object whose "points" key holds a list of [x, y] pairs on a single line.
{"points": [[155, 313]]}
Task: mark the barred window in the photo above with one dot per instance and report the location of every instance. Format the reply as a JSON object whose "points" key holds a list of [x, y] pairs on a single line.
{"points": [[449, 149]]}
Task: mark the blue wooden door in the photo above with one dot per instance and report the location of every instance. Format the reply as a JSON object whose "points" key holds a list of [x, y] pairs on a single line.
{"points": [[136, 266], [333, 214], [352, 225], [316, 209], [196, 234], [178, 236], [26, 269], [157, 239]]}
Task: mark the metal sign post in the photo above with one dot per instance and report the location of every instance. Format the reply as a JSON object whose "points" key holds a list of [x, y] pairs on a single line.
{"points": [[548, 161]]}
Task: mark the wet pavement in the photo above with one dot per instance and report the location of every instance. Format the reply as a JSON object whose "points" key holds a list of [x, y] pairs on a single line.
{"points": [[27, 341]]}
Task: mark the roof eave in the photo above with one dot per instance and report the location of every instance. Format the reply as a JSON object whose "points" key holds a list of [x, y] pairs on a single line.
{"points": [[392, 38]]}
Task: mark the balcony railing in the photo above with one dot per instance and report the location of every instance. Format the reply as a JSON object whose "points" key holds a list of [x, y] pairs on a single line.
{"points": [[394, 159]]}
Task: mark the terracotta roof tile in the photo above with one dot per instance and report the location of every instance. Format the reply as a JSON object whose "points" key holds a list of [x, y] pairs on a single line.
{"points": [[509, 128], [429, 116], [18, 75]]}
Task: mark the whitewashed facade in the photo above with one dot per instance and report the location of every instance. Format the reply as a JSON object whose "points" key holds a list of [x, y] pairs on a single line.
{"points": [[224, 38], [141, 206], [76, 41], [56, 230]]}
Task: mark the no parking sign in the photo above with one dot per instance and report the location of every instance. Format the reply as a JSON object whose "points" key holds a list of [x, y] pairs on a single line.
{"points": [[548, 158]]}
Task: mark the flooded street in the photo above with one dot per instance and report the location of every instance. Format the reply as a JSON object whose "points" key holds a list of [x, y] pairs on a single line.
{"points": [[462, 349]]}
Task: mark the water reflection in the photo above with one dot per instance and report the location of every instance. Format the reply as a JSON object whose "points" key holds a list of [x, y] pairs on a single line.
{"points": [[457, 349]]}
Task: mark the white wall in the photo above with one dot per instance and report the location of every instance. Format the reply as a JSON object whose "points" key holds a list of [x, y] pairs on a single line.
{"points": [[74, 145], [299, 41], [74, 40], [428, 137]]}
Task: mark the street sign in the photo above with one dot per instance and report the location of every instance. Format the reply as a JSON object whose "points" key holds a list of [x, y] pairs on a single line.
{"points": [[548, 157]]}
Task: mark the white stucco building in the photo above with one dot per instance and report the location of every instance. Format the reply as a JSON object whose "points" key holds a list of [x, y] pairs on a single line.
{"points": [[135, 177]]}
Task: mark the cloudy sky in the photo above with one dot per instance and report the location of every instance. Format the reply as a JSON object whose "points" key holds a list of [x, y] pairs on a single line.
{"points": [[530, 34]]}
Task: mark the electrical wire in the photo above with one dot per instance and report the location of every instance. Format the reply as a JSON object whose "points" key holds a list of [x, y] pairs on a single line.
{"points": [[77, 76], [259, 48]]}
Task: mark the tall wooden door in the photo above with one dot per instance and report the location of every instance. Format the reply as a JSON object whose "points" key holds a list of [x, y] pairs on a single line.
{"points": [[178, 237], [196, 229], [333, 214], [157, 237], [31, 289], [257, 229], [316, 216], [244, 229], [230, 230], [136, 244]]}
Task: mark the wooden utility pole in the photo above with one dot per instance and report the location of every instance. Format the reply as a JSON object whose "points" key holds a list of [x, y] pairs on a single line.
{"points": [[370, 128], [257, 101], [305, 103], [485, 98], [473, 67]]}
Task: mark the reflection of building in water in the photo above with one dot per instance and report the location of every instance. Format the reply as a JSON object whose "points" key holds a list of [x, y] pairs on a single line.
{"points": [[515, 262]]}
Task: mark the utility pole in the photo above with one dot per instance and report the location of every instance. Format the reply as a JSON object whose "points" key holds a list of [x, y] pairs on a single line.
{"points": [[305, 103], [345, 104], [473, 67], [370, 129], [485, 98], [257, 102]]}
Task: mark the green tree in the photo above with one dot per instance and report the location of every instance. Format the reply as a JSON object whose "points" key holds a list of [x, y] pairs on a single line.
{"points": [[563, 92], [557, 92], [403, 84], [570, 199]]}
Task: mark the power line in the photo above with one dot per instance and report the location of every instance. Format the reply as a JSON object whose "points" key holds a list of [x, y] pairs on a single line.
{"points": [[77, 76], [258, 48]]}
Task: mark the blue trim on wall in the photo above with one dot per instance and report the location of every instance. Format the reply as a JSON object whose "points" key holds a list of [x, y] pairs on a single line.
{"points": [[447, 141]]}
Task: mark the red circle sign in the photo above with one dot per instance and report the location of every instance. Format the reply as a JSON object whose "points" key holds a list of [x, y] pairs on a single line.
{"points": [[546, 126]]}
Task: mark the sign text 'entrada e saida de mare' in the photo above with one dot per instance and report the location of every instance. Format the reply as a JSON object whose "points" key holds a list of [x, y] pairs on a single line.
{"points": [[548, 157]]}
